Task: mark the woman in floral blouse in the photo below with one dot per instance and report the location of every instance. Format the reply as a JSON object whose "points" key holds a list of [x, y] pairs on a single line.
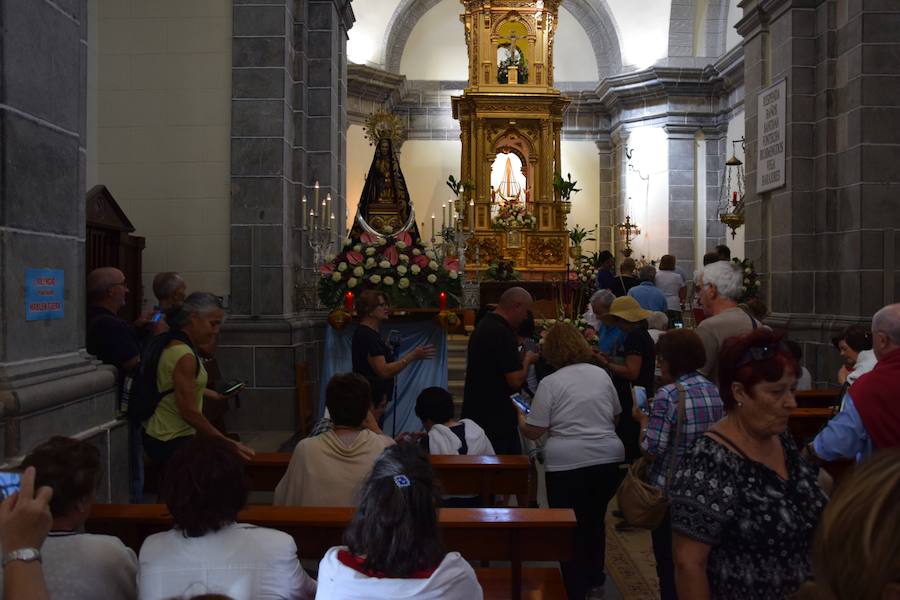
{"points": [[744, 504]]}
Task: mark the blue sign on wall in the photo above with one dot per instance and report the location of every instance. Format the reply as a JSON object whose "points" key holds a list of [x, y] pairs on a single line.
{"points": [[44, 290]]}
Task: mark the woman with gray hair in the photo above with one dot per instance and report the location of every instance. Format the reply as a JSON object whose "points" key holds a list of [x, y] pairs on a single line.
{"points": [[609, 337], [181, 379]]}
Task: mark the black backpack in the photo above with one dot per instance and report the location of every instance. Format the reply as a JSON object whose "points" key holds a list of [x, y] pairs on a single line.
{"points": [[145, 396]]}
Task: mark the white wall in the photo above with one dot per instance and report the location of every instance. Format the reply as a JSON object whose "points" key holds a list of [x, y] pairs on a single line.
{"points": [[732, 37], [436, 48], [359, 158], [643, 28], [163, 130], [735, 132], [365, 43], [647, 202], [426, 165], [582, 160], [573, 56]]}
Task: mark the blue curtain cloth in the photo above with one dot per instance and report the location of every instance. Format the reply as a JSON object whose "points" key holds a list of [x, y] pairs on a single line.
{"points": [[413, 379]]}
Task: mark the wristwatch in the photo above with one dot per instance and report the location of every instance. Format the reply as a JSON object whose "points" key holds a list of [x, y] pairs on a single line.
{"points": [[23, 554]]}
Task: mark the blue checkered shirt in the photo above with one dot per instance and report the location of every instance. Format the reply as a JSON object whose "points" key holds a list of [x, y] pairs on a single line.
{"points": [[702, 408]]}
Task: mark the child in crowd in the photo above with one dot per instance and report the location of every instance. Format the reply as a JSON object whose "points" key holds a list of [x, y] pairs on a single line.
{"points": [[446, 435]]}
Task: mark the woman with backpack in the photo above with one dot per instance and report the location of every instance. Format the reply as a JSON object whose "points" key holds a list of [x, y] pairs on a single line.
{"points": [[181, 380]]}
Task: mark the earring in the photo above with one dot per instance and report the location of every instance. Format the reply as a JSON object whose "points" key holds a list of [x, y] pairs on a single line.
{"points": [[740, 404]]}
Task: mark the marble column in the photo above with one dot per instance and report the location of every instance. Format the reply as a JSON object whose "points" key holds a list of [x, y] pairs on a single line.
{"points": [[48, 384]]}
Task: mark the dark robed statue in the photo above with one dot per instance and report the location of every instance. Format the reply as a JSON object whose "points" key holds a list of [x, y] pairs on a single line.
{"points": [[384, 206]]}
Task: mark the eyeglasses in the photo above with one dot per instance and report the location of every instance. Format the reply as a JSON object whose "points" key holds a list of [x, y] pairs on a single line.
{"points": [[758, 353]]}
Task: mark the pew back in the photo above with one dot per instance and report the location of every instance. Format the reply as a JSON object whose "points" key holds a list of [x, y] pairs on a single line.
{"points": [[458, 474]]}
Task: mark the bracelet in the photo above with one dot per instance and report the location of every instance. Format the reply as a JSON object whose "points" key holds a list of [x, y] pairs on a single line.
{"points": [[23, 554]]}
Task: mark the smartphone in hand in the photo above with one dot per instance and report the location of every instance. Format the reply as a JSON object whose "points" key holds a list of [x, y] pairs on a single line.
{"points": [[639, 394], [10, 483], [521, 403], [233, 388]]}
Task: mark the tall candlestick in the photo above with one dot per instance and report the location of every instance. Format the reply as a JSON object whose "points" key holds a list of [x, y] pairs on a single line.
{"points": [[303, 212], [432, 226], [323, 215], [472, 215], [331, 224], [443, 217]]}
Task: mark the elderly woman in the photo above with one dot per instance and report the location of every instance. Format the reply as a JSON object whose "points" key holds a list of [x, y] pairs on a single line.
{"points": [[744, 504], [577, 407], [373, 358], [609, 337], [394, 548], [855, 345], [77, 564], [632, 364], [208, 551], [329, 469], [679, 354], [672, 285], [179, 414]]}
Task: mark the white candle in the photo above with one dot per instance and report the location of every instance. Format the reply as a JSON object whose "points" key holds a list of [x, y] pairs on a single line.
{"points": [[323, 213], [443, 217], [472, 215], [303, 212], [432, 226]]}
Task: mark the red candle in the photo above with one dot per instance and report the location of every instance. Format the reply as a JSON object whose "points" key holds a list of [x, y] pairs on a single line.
{"points": [[348, 301], [443, 304], [734, 197]]}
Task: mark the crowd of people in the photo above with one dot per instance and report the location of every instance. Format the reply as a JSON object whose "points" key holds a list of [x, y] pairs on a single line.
{"points": [[701, 414]]}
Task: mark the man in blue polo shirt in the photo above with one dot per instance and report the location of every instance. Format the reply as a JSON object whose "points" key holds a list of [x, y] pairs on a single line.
{"points": [[647, 294]]}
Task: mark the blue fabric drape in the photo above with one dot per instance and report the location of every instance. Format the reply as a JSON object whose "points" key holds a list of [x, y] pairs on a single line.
{"points": [[413, 379]]}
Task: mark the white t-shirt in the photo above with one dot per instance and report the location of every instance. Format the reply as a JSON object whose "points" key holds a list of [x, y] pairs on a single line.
{"points": [[85, 566], [670, 283], [578, 404], [805, 382], [240, 560], [454, 579]]}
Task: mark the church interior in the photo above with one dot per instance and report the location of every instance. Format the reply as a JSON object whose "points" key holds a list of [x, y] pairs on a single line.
{"points": [[286, 156]]}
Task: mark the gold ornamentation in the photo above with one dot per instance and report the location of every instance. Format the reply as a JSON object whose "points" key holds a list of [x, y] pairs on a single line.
{"points": [[546, 250], [383, 124], [489, 249]]}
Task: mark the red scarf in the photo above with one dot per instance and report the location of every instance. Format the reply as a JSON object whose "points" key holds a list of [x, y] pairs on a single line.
{"points": [[356, 563], [876, 396]]}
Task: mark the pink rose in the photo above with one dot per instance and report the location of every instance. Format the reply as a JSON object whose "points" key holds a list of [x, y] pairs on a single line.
{"points": [[367, 238], [354, 258], [391, 255], [404, 237], [420, 260], [326, 268], [451, 264]]}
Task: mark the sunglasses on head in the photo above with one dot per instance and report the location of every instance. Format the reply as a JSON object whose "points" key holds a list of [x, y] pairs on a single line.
{"points": [[758, 353]]}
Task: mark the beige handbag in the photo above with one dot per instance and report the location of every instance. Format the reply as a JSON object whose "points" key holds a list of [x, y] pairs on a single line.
{"points": [[645, 505]]}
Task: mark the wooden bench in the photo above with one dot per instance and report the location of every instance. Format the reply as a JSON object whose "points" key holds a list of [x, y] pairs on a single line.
{"points": [[818, 398], [460, 475], [507, 534]]}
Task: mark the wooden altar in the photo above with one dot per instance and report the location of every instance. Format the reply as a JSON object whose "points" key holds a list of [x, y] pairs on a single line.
{"points": [[511, 107]]}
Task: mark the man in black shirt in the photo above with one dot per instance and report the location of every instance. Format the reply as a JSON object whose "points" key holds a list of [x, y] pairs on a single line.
{"points": [[495, 369], [109, 338], [626, 279]]}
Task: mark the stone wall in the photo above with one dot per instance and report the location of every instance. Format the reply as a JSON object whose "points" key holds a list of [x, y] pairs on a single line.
{"points": [[289, 118], [826, 243], [48, 385]]}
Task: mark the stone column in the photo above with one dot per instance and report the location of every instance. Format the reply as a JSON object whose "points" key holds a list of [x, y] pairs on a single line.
{"points": [[682, 194], [828, 238], [288, 131], [607, 201], [48, 384]]}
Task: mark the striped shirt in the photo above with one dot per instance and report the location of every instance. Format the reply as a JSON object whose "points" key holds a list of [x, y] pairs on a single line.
{"points": [[702, 408]]}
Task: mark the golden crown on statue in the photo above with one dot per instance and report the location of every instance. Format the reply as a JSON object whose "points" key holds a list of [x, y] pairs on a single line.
{"points": [[383, 124]]}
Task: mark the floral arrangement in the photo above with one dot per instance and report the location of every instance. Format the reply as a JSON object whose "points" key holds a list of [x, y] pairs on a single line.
{"points": [[513, 215], [586, 274], [515, 59], [408, 273], [751, 283], [542, 326]]}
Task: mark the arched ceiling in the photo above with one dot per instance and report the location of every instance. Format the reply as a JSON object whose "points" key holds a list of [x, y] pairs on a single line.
{"points": [[593, 17]]}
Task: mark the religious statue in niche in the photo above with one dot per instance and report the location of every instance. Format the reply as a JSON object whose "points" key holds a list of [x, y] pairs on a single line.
{"points": [[511, 54]]}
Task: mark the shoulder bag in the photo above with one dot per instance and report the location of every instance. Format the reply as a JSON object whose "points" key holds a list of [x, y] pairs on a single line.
{"points": [[645, 505]]}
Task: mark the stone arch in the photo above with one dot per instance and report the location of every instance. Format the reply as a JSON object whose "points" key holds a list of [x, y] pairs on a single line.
{"points": [[681, 28], [594, 17]]}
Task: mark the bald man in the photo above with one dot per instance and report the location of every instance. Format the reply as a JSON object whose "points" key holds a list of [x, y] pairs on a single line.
{"points": [[870, 418], [497, 368], [110, 338]]}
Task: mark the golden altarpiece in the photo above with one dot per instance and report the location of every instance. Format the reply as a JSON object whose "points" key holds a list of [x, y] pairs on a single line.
{"points": [[511, 113]]}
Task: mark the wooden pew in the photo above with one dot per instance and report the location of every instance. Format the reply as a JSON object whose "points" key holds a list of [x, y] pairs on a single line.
{"points": [[818, 398], [513, 534], [458, 474]]}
